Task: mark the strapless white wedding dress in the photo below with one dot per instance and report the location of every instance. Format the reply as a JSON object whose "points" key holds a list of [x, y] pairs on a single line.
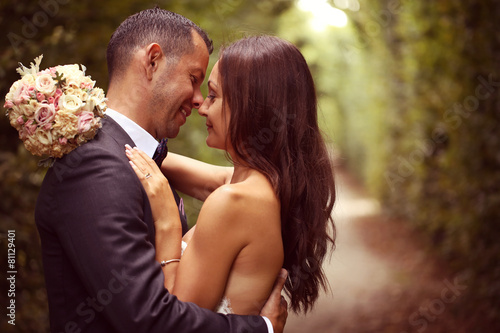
{"points": [[225, 304]]}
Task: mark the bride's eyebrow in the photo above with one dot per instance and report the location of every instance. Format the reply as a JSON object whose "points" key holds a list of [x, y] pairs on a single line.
{"points": [[212, 85]]}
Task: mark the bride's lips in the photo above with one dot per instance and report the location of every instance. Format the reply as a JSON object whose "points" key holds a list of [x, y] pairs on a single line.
{"points": [[209, 127]]}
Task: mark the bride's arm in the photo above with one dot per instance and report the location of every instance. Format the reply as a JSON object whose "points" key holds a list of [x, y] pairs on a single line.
{"points": [[194, 178], [222, 231], [165, 213]]}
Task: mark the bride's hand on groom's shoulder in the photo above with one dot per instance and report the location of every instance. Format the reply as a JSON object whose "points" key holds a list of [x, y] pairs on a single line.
{"points": [[161, 199], [276, 307]]}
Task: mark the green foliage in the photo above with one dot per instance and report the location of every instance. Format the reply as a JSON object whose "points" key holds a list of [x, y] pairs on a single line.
{"points": [[68, 32], [20, 179], [388, 84], [400, 90], [416, 119]]}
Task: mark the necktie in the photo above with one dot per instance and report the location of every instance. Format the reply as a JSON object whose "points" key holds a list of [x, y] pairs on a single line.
{"points": [[161, 152]]}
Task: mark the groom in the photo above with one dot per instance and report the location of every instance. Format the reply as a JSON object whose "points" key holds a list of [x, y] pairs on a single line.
{"points": [[93, 215]]}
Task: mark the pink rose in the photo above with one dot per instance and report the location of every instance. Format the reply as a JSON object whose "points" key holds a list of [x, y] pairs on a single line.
{"points": [[85, 121], [51, 100], [30, 127], [63, 141], [20, 120], [45, 113], [55, 99], [21, 95], [40, 97], [52, 71], [8, 104], [56, 102], [31, 91]]}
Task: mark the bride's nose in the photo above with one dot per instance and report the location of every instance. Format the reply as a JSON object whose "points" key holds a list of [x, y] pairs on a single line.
{"points": [[203, 109]]}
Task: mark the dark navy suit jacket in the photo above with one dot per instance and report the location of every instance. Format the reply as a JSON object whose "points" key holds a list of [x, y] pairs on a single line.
{"points": [[97, 235]]}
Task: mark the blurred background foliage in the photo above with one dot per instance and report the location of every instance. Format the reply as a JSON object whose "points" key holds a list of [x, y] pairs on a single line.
{"points": [[404, 99]]}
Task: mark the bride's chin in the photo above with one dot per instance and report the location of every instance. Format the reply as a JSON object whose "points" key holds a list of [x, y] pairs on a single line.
{"points": [[213, 145], [209, 144]]}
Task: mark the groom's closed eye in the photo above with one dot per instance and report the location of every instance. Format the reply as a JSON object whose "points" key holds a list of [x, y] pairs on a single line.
{"points": [[198, 75]]}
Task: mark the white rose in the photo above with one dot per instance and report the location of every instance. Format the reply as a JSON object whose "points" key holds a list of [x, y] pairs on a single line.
{"points": [[29, 79], [72, 84], [45, 84], [28, 110], [43, 136], [89, 105], [70, 103], [13, 88], [69, 72]]}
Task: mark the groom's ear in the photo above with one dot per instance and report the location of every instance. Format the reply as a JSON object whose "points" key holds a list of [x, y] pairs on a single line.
{"points": [[154, 54]]}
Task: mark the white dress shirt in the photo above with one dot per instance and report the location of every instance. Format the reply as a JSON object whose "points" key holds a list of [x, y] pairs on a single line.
{"points": [[147, 143], [142, 139]]}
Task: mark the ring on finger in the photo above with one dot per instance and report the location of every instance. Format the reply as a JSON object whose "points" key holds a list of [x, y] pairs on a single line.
{"points": [[148, 175]]}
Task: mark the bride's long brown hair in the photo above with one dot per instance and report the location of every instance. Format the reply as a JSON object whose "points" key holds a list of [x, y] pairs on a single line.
{"points": [[273, 128]]}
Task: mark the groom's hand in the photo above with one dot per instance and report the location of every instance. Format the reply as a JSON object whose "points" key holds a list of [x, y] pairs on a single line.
{"points": [[276, 306]]}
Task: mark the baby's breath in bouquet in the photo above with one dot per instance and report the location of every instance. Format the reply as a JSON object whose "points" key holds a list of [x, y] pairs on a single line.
{"points": [[54, 110]]}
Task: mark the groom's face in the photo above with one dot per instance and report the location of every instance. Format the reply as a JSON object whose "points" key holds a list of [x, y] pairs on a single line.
{"points": [[177, 90]]}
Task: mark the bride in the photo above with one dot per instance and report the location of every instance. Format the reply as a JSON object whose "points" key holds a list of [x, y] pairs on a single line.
{"points": [[272, 210]]}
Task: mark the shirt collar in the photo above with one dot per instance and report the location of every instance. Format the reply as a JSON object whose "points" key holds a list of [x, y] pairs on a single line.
{"points": [[142, 139]]}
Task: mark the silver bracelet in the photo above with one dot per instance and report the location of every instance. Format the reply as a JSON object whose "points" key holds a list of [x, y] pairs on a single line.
{"points": [[164, 262]]}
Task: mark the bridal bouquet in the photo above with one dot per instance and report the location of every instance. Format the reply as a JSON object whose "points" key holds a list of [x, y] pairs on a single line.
{"points": [[54, 110]]}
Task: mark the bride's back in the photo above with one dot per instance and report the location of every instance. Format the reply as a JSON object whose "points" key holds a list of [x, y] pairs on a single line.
{"points": [[239, 225], [257, 264]]}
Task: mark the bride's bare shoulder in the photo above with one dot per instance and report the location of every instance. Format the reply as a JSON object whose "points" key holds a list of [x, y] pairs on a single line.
{"points": [[252, 199]]}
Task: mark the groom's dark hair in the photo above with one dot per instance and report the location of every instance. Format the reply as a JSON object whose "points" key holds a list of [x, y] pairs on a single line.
{"points": [[170, 30]]}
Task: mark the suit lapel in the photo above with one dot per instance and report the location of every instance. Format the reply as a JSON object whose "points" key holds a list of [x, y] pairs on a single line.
{"points": [[111, 128]]}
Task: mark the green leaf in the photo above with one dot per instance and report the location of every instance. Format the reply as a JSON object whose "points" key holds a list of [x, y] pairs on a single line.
{"points": [[61, 81]]}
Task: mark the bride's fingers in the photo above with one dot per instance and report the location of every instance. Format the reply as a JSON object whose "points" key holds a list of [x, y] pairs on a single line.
{"points": [[142, 161], [148, 161], [134, 156]]}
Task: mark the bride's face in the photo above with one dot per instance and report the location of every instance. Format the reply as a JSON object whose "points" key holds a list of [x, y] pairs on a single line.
{"points": [[217, 123]]}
